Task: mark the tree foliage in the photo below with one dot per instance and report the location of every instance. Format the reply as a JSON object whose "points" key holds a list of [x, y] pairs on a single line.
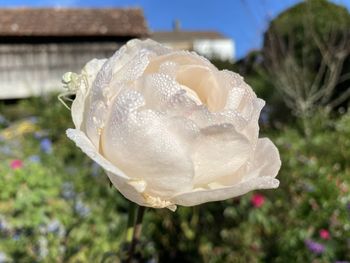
{"points": [[306, 52]]}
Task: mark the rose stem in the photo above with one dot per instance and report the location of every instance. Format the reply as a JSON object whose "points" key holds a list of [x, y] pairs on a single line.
{"points": [[136, 232], [131, 222]]}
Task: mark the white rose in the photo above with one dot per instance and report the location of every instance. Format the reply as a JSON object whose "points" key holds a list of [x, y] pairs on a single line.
{"points": [[169, 128]]}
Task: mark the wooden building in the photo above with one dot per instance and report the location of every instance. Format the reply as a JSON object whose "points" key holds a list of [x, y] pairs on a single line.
{"points": [[37, 46]]}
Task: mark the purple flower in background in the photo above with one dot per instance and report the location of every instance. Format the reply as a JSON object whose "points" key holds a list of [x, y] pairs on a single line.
{"points": [[5, 150], [265, 115], [16, 236], [34, 158], [71, 169], [341, 261], [3, 120], [68, 190], [81, 209], [46, 145], [309, 187], [95, 169], [53, 226], [4, 226], [39, 134], [33, 119], [315, 247]]}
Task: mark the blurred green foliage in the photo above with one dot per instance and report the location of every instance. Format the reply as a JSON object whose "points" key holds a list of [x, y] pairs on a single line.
{"points": [[57, 206], [53, 206]]}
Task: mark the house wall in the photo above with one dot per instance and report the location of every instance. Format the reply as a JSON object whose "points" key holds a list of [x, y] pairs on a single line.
{"points": [[179, 45], [223, 49], [34, 69]]}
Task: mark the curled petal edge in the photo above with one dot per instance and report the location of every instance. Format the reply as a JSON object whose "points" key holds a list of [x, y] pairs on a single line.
{"points": [[218, 194], [134, 191], [259, 177]]}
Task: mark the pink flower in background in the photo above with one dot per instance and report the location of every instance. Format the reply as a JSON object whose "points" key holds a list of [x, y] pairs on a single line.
{"points": [[324, 234], [16, 164], [257, 200]]}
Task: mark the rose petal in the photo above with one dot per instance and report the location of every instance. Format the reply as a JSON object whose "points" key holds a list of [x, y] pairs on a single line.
{"points": [[140, 143], [126, 65], [83, 142], [88, 76], [95, 120], [242, 106], [252, 129], [158, 89], [266, 161], [135, 192], [149, 44], [219, 151], [203, 82], [180, 58], [131, 190], [261, 175], [219, 193], [241, 98]]}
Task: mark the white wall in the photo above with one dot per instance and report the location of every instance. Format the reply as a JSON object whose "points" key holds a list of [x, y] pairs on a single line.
{"points": [[223, 49]]}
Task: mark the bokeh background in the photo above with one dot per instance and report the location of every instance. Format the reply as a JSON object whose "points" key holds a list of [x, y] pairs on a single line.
{"points": [[56, 204]]}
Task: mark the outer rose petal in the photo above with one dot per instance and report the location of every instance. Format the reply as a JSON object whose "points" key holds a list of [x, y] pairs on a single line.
{"points": [[266, 161], [130, 188], [88, 75], [134, 191], [131, 192], [83, 142], [218, 152], [260, 176], [127, 64], [219, 193], [243, 101]]}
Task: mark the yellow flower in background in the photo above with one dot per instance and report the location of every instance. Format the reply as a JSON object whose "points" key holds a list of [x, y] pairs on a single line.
{"points": [[18, 129]]}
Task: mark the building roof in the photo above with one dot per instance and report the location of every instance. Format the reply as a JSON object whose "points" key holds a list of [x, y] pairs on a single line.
{"points": [[180, 35], [61, 22]]}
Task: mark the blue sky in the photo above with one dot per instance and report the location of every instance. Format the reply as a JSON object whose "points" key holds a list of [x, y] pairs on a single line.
{"points": [[242, 20]]}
